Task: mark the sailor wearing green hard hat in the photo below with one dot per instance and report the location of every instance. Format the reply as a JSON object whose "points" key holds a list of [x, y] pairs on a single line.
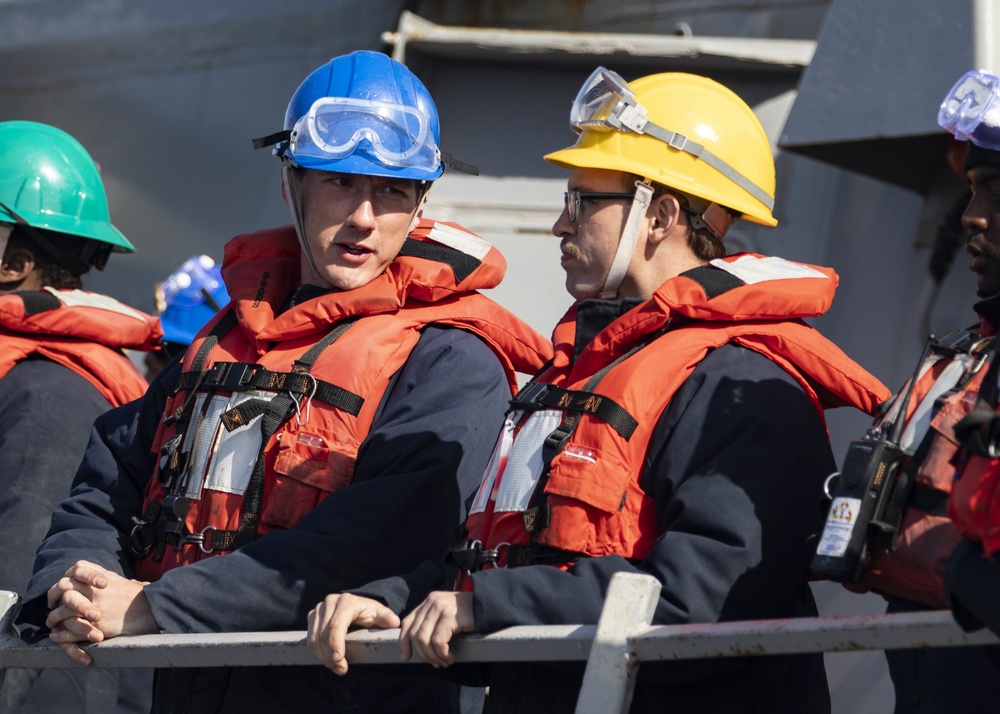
{"points": [[53, 203], [61, 367]]}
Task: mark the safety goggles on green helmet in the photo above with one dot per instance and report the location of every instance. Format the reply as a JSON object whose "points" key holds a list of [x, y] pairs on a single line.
{"points": [[606, 103], [971, 110], [397, 134]]}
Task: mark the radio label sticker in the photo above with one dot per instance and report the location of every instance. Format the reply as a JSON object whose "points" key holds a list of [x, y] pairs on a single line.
{"points": [[839, 526]]}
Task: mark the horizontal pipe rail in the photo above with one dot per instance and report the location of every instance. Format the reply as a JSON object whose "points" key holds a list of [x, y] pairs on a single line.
{"points": [[613, 649], [563, 643]]}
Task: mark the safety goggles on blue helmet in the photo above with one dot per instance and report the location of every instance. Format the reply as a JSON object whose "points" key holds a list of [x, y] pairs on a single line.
{"points": [[606, 103], [396, 135], [971, 110]]}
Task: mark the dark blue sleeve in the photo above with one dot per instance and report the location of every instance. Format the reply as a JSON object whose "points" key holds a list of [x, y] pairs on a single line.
{"points": [[429, 444], [46, 415], [94, 522], [735, 467], [972, 585]]}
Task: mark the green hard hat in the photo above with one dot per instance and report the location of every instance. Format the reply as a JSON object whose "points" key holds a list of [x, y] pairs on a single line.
{"points": [[48, 180]]}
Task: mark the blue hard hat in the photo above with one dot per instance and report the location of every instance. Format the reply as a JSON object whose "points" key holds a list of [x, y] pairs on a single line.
{"points": [[364, 113], [192, 295]]}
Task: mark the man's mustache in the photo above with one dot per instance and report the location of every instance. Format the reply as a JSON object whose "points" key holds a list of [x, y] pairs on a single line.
{"points": [[571, 250]]}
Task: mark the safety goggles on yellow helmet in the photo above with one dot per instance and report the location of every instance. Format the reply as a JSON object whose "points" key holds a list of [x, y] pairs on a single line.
{"points": [[334, 127], [971, 111], [605, 103]]}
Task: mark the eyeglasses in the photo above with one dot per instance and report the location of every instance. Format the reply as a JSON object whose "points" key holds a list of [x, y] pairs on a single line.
{"points": [[573, 199], [605, 102], [971, 111]]}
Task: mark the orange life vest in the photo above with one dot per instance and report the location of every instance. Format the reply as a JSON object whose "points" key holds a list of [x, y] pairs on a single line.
{"points": [[974, 505], [946, 389], [317, 371], [84, 332], [565, 477]]}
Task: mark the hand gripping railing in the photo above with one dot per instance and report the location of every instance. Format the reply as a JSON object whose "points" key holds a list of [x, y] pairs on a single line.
{"points": [[613, 649]]}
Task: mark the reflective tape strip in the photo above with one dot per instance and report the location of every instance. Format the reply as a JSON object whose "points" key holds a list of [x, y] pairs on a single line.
{"points": [[524, 466], [920, 420], [751, 269], [498, 462]]}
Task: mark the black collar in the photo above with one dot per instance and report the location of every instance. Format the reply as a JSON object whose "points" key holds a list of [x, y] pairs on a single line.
{"points": [[592, 316]]}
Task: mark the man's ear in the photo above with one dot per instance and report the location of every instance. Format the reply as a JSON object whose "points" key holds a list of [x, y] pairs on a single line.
{"points": [[664, 212], [418, 214], [17, 265]]}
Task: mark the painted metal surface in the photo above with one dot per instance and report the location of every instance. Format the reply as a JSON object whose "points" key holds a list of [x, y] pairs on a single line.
{"points": [[868, 101], [539, 45], [613, 666]]}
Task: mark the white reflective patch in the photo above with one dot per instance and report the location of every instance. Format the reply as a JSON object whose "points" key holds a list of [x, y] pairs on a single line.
{"points": [[467, 243], [236, 451], [497, 463], [79, 298], [920, 421], [525, 463], [751, 269], [200, 440]]}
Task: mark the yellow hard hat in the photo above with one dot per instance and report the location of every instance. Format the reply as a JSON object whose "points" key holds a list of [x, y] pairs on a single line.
{"points": [[683, 131]]}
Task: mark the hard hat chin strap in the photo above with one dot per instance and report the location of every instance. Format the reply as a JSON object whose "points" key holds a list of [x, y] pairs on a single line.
{"points": [[5, 230], [626, 244], [293, 190]]}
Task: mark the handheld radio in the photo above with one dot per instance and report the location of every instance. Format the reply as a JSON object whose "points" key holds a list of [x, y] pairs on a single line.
{"points": [[862, 495]]}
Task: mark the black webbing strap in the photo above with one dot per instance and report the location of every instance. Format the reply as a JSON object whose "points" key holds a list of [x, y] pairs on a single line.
{"points": [[274, 414], [538, 395], [536, 517], [247, 376], [979, 431], [471, 556], [929, 500], [152, 526], [902, 492]]}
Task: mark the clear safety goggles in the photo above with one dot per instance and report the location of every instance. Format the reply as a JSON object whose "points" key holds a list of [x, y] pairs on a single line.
{"points": [[971, 111], [334, 126], [606, 103]]}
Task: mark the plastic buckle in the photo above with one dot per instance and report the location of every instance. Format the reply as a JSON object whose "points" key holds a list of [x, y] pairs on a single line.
{"points": [[678, 141], [231, 375], [531, 395]]}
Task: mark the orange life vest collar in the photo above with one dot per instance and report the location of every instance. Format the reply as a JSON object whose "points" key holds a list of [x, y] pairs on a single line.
{"points": [[84, 332]]}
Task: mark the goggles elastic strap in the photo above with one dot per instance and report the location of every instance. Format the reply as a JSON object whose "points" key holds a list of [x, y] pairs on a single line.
{"points": [[683, 143], [626, 244]]}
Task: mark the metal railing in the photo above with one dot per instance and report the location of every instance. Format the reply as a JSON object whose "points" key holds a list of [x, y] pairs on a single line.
{"points": [[613, 649]]}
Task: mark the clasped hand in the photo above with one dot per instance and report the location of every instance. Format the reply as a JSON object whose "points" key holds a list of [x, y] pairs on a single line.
{"points": [[427, 631], [90, 604]]}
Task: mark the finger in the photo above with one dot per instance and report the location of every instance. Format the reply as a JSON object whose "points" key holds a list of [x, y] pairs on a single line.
{"points": [[349, 611], [316, 635], [89, 573], [423, 633], [76, 629], [406, 634], [63, 585], [73, 604], [73, 651]]}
